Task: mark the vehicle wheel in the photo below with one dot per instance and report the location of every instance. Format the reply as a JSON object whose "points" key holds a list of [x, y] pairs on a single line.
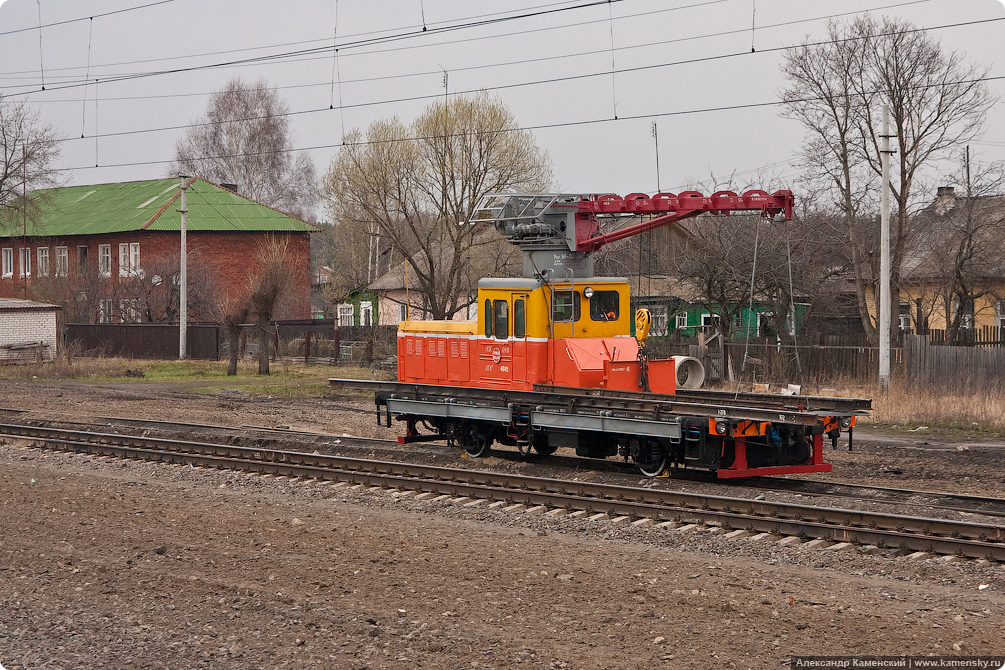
{"points": [[476, 443], [543, 446], [651, 459]]}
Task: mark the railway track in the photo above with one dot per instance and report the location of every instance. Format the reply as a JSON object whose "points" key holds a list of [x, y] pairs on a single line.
{"points": [[961, 504], [908, 533]]}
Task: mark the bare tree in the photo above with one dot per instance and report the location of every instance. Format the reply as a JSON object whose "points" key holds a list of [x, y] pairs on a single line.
{"points": [[29, 148], [838, 90], [245, 139], [419, 185]]}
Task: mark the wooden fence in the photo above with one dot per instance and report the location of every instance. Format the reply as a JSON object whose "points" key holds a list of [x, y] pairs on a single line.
{"points": [[950, 366], [985, 336]]}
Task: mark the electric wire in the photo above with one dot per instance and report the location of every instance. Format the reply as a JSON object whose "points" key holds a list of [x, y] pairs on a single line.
{"points": [[69, 83], [82, 18]]}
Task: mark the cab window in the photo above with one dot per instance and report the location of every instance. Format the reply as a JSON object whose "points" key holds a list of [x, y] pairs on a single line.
{"points": [[519, 319], [501, 327], [565, 306], [604, 306], [488, 318]]}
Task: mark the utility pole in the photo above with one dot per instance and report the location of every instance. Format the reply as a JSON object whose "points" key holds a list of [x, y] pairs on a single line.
{"points": [[24, 259], [183, 276], [884, 259]]}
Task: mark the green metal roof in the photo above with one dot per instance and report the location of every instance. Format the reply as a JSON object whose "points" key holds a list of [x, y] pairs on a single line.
{"points": [[153, 205]]}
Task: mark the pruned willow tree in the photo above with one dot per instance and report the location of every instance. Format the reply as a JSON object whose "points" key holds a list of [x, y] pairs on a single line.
{"points": [[414, 188], [838, 88]]}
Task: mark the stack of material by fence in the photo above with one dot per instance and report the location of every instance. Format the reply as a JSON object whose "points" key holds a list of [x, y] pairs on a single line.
{"points": [[953, 366], [25, 352]]}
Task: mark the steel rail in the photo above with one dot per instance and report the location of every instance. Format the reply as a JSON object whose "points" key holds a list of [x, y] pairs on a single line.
{"points": [[883, 530]]}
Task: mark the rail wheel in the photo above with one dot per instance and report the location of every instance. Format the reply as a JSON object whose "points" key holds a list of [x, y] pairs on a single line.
{"points": [[543, 446], [475, 440], [649, 457]]}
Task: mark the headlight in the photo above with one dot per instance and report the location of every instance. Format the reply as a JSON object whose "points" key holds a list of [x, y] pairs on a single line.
{"points": [[720, 427], [588, 291], [845, 422]]}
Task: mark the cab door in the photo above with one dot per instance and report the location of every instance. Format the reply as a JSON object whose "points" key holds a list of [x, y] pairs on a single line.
{"points": [[519, 341]]}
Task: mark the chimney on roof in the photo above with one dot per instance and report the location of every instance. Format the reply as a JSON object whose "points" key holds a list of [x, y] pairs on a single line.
{"points": [[945, 199], [233, 187]]}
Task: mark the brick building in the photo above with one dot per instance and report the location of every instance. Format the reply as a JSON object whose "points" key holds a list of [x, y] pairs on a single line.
{"points": [[28, 330], [111, 252]]}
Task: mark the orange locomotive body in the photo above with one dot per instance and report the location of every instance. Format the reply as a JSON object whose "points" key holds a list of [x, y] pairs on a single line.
{"points": [[571, 333]]}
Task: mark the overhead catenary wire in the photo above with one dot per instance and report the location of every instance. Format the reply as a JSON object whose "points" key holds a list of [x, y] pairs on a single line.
{"points": [[508, 63], [551, 80], [82, 18]]}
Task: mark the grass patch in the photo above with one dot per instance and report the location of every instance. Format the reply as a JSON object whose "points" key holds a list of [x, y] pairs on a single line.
{"points": [[287, 380]]}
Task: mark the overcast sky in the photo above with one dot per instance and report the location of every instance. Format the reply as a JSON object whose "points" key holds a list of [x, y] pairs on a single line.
{"points": [[681, 63]]}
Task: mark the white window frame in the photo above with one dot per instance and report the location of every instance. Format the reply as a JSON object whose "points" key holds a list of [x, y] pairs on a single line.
{"points": [[129, 310], [346, 314], [659, 318], [62, 261], [134, 259], [24, 262], [8, 262], [366, 313], [403, 312], [104, 261], [680, 321], [42, 254], [904, 317], [1000, 314], [762, 320], [105, 308]]}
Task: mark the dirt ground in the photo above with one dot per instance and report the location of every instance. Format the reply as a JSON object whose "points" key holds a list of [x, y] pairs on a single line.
{"points": [[134, 565]]}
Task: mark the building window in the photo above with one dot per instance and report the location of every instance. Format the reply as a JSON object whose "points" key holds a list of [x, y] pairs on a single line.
{"points": [[402, 312], [43, 261], [8, 263], [62, 262], [680, 321], [708, 320], [346, 312], [1000, 314], [366, 313], [24, 258], [764, 325], [129, 311], [105, 260], [904, 317], [105, 311], [129, 260], [82, 261]]}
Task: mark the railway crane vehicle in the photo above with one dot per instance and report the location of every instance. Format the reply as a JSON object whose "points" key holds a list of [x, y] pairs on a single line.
{"points": [[551, 360]]}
